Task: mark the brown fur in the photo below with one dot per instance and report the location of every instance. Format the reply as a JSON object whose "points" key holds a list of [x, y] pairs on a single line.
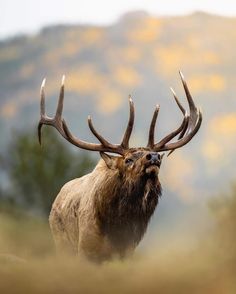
{"points": [[106, 213]]}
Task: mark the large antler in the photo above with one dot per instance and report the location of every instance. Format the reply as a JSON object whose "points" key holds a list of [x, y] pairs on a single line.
{"points": [[59, 123], [188, 128]]}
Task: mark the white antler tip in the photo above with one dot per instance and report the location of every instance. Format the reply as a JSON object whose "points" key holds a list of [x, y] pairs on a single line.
{"points": [[181, 75], [130, 99], [63, 80], [43, 83], [157, 107], [173, 91]]}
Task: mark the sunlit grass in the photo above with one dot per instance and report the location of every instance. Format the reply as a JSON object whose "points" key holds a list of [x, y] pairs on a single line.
{"points": [[28, 265]]}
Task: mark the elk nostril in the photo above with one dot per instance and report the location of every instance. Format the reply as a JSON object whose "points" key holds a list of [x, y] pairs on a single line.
{"points": [[149, 156]]}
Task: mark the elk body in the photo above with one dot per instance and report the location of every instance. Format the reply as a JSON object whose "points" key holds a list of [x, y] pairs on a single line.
{"points": [[106, 212]]}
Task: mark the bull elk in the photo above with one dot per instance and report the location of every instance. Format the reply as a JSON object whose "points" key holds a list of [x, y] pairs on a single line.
{"points": [[106, 212]]}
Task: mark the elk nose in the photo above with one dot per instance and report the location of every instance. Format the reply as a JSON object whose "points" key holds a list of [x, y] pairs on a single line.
{"points": [[153, 157]]}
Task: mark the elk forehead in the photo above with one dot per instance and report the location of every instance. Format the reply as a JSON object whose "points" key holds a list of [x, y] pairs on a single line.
{"points": [[139, 153]]}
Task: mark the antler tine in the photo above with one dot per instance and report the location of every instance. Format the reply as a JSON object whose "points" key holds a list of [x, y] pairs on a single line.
{"points": [[61, 98], [177, 101], [181, 134], [192, 106], [183, 141], [193, 109], [191, 126], [43, 116], [173, 134], [179, 129], [152, 127], [55, 121], [129, 128], [96, 134], [91, 146], [185, 127], [42, 101]]}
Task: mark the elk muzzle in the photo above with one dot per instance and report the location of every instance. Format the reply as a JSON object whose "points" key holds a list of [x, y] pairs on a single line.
{"points": [[152, 163]]}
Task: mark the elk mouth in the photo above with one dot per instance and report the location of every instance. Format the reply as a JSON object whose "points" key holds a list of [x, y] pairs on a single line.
{"points": [[152, 169]]}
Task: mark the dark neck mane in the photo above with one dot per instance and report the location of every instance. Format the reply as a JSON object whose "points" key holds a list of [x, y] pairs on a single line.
{"points": [[123, 209]]}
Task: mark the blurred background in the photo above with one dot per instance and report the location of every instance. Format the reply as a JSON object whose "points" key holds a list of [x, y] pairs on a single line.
{"points": [[108, 50]]}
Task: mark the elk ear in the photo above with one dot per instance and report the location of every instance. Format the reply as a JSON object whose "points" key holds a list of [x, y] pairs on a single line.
{"points": [[109, 160]]}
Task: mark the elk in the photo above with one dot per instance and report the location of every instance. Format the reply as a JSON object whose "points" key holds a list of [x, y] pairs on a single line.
{"points": [[105, 213]]}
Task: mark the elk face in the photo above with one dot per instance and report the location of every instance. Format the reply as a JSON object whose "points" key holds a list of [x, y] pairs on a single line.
{"points": [[137, 164]]}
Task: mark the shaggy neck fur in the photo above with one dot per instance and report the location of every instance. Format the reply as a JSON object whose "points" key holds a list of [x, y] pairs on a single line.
{"points": [[124, 207]]}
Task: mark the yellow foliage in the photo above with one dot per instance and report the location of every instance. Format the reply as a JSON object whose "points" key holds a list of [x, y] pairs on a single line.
{"points": [[55, 56], [194, 46], [148, 30], [220, 140], [126, 76], [9, 53], [27, 70], [109, 100], [212, 150], [210, 58], [75, 41], [92, 35], [175, 57], [88, 81], [131, 54], [85, 80], [72, 34], [193, 42], [70, 49], [52, 57], [168, 58], [8, 110], [225, 125], [211, 82], [11, 107]]}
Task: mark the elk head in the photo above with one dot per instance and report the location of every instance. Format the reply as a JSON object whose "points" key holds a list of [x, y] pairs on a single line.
{"points": [[131, 162]]}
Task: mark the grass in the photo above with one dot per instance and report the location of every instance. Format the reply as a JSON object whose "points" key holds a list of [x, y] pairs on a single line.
{"points": [[28, 265]]}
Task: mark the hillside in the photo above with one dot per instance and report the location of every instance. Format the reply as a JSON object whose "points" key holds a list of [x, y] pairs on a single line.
{"points": [[139, 55]]}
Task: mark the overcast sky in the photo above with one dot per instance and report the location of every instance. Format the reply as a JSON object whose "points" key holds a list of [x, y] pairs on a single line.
{"points": [[28, 16]]}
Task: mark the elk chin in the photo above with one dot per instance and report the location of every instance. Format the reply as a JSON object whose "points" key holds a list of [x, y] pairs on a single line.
{"points": [[152, 171]]}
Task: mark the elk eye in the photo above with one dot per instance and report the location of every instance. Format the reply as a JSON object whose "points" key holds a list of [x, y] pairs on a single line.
{"points": [[148, 156], [129, 160]]}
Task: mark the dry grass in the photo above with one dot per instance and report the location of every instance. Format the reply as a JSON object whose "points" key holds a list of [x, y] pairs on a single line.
{"points": [[159, 270]]}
